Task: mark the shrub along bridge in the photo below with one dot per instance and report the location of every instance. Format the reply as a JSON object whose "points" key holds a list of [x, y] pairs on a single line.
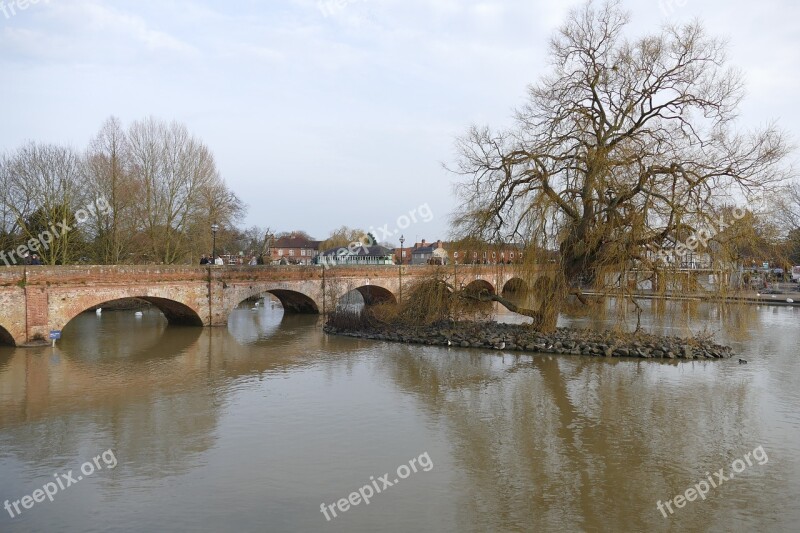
{"points": [[35, 300]]}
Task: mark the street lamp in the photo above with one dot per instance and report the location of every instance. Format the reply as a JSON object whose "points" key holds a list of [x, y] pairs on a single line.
{"points": [[400, 269], [214, 229]]}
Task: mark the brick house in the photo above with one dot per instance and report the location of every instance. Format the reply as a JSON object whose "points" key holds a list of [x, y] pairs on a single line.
{"points": [[402, 256], [294, 249]]}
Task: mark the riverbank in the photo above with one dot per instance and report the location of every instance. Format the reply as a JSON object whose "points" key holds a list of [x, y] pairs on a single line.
{"points": [[517, 337]]}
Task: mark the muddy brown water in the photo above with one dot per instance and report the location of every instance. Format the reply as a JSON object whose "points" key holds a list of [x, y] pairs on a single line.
{"points": [[254, 427]]}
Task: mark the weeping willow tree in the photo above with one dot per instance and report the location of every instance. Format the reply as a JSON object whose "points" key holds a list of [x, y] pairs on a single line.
{"points": [[625, 147]]}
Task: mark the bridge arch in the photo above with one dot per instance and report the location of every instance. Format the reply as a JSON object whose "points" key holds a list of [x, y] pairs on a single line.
{"points": [[176, 313], [6, 338], [375, 294], [516, 286], [479, 285], [294, 302]]}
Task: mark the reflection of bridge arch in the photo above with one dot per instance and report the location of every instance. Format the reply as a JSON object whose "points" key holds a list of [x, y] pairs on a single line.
{"points": [[6, 338], [134, 340], [176, 313]]}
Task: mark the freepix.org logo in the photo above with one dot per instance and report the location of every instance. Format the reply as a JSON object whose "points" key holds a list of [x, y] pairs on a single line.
{"points": [[668, 7], [366, 493], [43, 240], [702, 488], [12, 7], [62, 482]]}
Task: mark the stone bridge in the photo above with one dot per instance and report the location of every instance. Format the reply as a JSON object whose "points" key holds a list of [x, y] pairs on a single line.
{"points": [[37, 299]]}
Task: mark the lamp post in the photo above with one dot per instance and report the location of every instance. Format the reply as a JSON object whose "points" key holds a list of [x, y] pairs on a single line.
{"points": [[402, 240], [214, 229]]}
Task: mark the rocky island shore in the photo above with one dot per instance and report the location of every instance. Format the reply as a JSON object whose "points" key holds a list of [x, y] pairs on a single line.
{"points": [[517, 337]]}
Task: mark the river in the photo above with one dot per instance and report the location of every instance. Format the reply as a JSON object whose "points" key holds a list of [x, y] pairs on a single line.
{"points": [[265, 424]]}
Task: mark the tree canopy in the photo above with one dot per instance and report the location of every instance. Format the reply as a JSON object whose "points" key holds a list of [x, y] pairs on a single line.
{"points": [[627, 143], [146, 193]]}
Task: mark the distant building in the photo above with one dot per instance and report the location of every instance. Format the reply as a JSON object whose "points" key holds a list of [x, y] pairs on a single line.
{"points": [[426, 253], [294, 249], [402, 256], [363, 255], [476, 253], [677, 255]]}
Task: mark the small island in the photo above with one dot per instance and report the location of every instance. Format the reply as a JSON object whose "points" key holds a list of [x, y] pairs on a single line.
{"points": [[437, 314], [520, 337]]}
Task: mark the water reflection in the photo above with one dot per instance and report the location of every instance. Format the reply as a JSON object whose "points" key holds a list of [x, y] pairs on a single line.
{"points": [[260, 422]]}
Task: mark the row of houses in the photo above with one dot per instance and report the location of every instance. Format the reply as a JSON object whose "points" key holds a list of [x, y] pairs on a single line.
{"points": [[298, 249]]}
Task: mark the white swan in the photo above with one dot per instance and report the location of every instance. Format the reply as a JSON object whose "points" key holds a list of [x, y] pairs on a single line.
{"points": [[99, 311]]}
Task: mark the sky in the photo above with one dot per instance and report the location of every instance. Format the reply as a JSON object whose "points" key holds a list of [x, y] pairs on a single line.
{"points": [[334, 112]]}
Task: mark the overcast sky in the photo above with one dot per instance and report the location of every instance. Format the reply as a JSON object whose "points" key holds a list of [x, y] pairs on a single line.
{"points": [[332, 112]]}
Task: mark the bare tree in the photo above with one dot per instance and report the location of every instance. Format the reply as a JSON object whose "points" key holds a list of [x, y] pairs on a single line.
{"points": [[256, 242], [43, 194], [217, 204], [343, 237], [787, 215], [787, 207], [112, 192], [181, 190], [8, 219], [149, 193], [624, 144]]}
